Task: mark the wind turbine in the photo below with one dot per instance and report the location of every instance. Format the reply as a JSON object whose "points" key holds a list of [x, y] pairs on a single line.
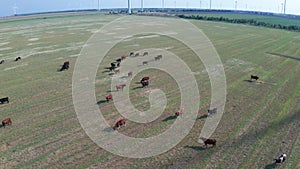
{"points": [[142, 5], [284, 6], [15, 9], [129, 7], [210, 4], [98, 5], [235, 7]]}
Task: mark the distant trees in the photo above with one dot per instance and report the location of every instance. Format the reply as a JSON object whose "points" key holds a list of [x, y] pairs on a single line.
{"points": [[242, 21]]}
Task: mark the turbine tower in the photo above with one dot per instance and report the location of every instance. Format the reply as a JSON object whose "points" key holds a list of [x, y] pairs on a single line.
{"points": [[235, 7], [284, 6], [129, 7], [210, 4], [15, 9], [142, 5]]}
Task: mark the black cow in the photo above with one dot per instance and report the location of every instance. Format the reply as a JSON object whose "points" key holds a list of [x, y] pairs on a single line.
{"points": [[1, 62], [145, 83], [212, 111], [3, 100], [281, 158], [119, 60], [254, 77], [18, 58], [65, 66]]}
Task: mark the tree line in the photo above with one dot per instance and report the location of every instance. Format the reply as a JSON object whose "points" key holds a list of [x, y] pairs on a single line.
{"points": [[242, 21]]}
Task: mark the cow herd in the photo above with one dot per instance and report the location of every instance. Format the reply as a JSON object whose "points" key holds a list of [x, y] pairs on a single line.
{"points": [[3, 100], [8, 121], [16, 59], [145, 81]]}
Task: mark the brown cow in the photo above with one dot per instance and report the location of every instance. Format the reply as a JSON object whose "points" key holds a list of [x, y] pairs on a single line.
{"points": [[123, 57], [6, 121], [129, 74], [210, 141], [109, 97], [145, 79], [116, 71], [121, 86], [119, 124], [178, 113]]}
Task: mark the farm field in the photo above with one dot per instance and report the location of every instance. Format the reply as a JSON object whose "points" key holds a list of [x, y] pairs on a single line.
{"points": [[261, 120]]}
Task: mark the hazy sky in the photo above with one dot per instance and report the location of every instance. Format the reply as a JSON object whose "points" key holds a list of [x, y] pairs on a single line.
{"points": [[8, 7]]}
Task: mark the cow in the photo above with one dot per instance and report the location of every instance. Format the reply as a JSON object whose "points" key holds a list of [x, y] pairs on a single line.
{"points": [[119, 124], [119, 60], [109, 97], [3, 100], [210, 141], [178, 113], [6, 121], [253, 77], [146, 78], [281, 158], [113, 65], [123, 57], [118, 64], [145, 83], [131, 54], [137, 54], [129, 74], [1, 62], [111, 68], [212, 111], [18, 58], [158, 57], [116, 71], [145, 54], [145, 63], [65, 66], [121, 86]]}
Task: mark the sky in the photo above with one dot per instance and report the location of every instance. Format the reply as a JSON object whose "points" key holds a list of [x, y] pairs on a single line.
{"points": [[10, 7]]}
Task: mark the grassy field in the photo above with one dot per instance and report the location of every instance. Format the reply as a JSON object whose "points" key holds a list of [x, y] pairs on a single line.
{"points": [[261, 120]]}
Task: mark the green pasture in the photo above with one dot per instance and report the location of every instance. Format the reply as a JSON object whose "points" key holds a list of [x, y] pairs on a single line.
{"points": [[261, 119]]}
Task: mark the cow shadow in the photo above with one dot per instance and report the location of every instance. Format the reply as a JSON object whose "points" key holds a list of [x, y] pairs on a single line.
{"points": [[202, 117], [271, 166], [108, 129], [101, 102], [169, 118], [249, 81], [197, 148], [139, 87], [106, 71]]}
